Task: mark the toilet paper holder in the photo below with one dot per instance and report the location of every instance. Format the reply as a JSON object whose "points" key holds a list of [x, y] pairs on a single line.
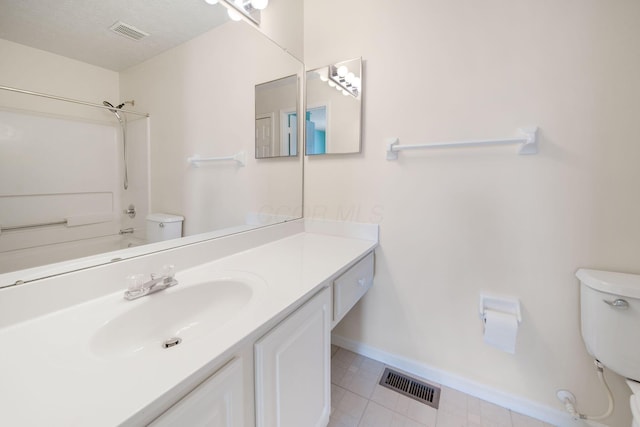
{"points": [[501, 304]]}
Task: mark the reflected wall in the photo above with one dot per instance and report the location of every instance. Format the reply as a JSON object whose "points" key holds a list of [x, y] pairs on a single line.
{"points": [[200, 97]]}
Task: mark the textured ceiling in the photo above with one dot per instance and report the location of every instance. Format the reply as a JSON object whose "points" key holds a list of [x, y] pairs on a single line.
{"points": [[79, 29]]}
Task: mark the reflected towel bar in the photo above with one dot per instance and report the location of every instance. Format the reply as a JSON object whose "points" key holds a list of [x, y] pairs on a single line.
{"points": [[528, 138], [23, 227], [195, 160], [72, 221]]}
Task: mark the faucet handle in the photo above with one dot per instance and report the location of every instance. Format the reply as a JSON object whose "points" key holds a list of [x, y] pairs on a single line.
{"points": [[168, 271], [135, 283]]}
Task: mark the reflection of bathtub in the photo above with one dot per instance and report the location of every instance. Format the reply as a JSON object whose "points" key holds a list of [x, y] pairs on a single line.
{"points": [[47, 254]]}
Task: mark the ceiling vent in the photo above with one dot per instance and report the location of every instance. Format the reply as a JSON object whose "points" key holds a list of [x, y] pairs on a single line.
{"points": [[128, 31]]}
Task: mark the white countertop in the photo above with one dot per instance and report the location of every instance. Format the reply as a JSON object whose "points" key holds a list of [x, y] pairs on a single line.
{"points": [[51, 376]]}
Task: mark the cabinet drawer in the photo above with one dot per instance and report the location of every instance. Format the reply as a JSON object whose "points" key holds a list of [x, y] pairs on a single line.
{"points": [[351, 286]]}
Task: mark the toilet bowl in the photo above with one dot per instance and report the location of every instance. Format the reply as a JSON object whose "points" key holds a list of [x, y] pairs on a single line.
{"points": [[610, 318]]}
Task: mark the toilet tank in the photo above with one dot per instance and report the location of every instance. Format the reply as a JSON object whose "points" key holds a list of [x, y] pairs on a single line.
{"points": [[610, 319], [162, 226]]}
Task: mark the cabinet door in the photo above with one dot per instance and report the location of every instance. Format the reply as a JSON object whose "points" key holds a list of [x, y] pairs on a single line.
{"points": [[217, 402], [293, 368]]}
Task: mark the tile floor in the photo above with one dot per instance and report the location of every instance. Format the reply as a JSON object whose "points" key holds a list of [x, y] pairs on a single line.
{"points": [[358, 401]]}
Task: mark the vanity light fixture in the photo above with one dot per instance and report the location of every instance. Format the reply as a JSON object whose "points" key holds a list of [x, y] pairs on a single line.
{"points": [[344, 80], [233, 15], [260, 4], [236, 9]]}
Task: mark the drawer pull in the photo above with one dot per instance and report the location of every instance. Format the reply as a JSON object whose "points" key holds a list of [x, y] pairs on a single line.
{"points": [[619, 303]]}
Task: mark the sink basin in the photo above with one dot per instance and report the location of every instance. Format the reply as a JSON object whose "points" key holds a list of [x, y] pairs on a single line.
{"points": [[185, 312]]}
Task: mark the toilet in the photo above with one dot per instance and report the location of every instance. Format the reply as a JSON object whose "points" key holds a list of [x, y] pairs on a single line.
{"points": [[610, 321], [162, 226], [634, 400]]}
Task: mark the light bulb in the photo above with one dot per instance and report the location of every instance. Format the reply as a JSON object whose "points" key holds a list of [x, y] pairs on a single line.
{"points": [[332, 83], [338, 88], [259, 4], [345, 93], [324, 77], [211, 1], [349, 77], [234, 15], [342, 71], [356, 82]]}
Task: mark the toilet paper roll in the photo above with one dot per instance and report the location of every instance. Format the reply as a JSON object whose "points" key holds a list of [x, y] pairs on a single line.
{"points": [[500, 330]]}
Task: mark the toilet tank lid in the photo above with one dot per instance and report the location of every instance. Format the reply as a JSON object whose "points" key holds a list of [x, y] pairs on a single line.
{"points": [[163, 217], [622, 284]]}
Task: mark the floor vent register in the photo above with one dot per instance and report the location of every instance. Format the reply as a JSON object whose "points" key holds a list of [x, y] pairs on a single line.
{"points": [[410, 387]]}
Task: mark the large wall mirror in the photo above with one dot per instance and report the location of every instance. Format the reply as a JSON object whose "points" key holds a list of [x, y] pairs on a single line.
{"points": [[170, 116], [334, 109], [277, 118]]}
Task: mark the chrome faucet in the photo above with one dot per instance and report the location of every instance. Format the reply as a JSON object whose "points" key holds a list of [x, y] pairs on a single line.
{"points": [[138, 287]]}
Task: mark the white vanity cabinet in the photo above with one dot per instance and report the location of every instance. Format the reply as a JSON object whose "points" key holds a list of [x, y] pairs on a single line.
{"points": [[292, 368], [289, 363], [217, 402]]}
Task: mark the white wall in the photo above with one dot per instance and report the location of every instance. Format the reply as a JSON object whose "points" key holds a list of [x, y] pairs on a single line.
{"points": [[282, 21], [39, 71], [459, 222], [201, 99]]}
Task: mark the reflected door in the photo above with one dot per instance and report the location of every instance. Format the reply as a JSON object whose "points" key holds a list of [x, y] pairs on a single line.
{"points": [[264, 137], [289, 143]]}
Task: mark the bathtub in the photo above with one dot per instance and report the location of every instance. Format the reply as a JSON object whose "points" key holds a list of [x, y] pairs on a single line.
{"points": [[47, 254]]}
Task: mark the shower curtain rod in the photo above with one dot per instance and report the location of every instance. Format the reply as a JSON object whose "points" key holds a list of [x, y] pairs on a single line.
{"points": [[75, 101]]}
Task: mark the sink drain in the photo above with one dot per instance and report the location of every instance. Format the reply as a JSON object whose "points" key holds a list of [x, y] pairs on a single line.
{"points": [[171, 342]]}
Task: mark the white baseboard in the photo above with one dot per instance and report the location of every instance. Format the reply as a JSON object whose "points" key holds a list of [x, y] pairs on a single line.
{"points": [[519, 404]]}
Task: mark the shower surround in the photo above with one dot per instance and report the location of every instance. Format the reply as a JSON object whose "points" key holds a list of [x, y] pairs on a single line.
{"points": [[68, 171]]}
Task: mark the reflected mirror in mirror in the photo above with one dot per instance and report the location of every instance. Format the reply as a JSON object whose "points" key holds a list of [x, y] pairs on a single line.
{"points": [[277, 118], [62, 164], [334, 109]]}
